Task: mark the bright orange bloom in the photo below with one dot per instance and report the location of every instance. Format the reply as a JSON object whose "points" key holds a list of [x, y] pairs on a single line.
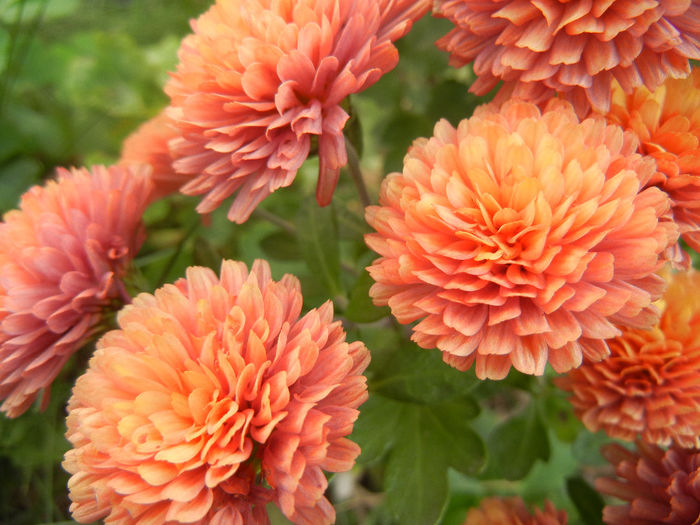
{"points": [[667, 122], [213, 398], [575, 47], [512, 511], [261, 84], [62, 257], [659, 486], [149, 145], [649, 385], [519, 238]]}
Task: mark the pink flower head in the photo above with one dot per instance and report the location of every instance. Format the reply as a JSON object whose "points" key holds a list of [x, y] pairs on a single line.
{"points": [[261, 84], [512, 511], [213, 398], [519, 238], [575, 47], [658, 486], [62, 257], [649, 386], [149, 145]]}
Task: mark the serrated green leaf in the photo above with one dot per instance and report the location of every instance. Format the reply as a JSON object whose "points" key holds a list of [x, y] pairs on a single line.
{"points": [[360, 308], [517, 443], [465, 450], [317, 234], [416, 473], [587, 500], [375, 429]]}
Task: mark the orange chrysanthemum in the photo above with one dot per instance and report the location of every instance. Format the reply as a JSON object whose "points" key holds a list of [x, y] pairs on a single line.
{"points": [[149, 145], [260, 85], [649, 385], [659, 486], [519, 238], [512, 511], [574, 47], [62, 257], [213, 398], [667, 122]]}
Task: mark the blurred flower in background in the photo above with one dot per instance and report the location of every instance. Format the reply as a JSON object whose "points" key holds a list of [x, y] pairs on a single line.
{"points": [[512, 511]]}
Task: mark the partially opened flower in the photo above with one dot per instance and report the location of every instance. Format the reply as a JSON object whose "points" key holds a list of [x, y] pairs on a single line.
{"points": [[659, 486], [213, 398], [261, 84], [667, 122], [149, 145], [573, 47], [649, 385], [63, 254], [512, 511], [519, 238]]}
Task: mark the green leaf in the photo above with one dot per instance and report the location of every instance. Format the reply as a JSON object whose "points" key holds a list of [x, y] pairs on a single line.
{"points": [[280, 245], [360, 309], [375, 428], [318, 239], [465, 450], [15, 178], [587, 500], [419, 375], [416, 473], [517, 443]]}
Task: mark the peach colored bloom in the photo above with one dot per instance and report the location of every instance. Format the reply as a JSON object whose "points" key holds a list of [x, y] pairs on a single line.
{"points": [[512, 511], [667, 122], [149, 145], [62, 257], [649, 385], [659, 486], [261, 84], [213, 398], [519, 238], [575, 47]]}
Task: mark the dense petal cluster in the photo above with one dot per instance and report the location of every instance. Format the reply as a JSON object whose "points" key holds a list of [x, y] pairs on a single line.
{"points": [[519, 238], [512, 511], [149, 145], [649, 385], [667, 122], [63, 254], [213, 398], [659, 486], [574, 47], [261, 84]]}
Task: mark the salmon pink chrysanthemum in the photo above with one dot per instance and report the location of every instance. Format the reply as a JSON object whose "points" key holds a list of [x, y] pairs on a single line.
{"points": [[261, 84], [512, 511], [213, 398], [649, 385], [659, 486], [574, 47], [519, 238], [149, 145], [63, 254], [667, 122]]}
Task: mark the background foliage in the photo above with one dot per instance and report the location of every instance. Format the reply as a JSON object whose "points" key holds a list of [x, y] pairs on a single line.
{"points": [[77, 76]]}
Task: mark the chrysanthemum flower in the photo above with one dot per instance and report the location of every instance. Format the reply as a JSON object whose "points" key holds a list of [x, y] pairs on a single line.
{"points": [[261, 84], [659, 486], [667, 122], [519, 238], [649, 385], [512, 511], [213, 398], [62, 257], [149, 145], [574, 47]]}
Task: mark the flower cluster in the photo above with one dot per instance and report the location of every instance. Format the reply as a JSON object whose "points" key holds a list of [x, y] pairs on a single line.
{"points": [[512, 511]]}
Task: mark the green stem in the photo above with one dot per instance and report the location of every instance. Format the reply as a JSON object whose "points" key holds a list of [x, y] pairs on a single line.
{"points": [[356, 173]]}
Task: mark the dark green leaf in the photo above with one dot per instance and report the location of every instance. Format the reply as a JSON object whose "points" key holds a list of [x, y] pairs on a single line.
{"points": [[375, 429], [15, 178], [587, 500], [360, 309], [281, 245], [449, 422], [318, 240]]}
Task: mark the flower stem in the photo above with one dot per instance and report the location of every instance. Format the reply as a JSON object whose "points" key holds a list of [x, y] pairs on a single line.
{"points": [[356, 173]]}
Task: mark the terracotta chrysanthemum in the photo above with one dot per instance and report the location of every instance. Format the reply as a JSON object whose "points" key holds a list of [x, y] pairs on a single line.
{"points": [[63, 254], [149, 145], [512, 511], [261, 84], [667, 122], [659, 486], [519, 238], [573, 47], [649, 385], [213, 398]]}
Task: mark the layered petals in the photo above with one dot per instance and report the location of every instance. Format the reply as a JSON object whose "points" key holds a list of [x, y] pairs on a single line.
{"points": [[512, 511]]}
